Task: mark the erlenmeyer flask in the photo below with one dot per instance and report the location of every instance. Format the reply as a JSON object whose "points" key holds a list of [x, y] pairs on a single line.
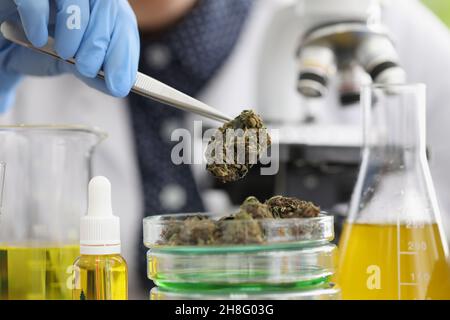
{"points": [[45, 171], [393, 246]]}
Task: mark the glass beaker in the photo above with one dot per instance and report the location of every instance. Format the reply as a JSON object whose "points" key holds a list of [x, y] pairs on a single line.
{"points": [[393, 246], [46, 170]]}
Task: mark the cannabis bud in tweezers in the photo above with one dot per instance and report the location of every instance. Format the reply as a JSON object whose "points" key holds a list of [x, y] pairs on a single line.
{"points": [[237, 146], [286, 207]]}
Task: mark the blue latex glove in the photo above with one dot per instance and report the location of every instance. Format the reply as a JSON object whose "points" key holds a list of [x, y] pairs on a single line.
{"points": [[107, 38]]}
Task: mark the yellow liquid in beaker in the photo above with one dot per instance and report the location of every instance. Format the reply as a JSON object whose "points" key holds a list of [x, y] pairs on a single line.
{"points": [[390, 262], [37, 273]]}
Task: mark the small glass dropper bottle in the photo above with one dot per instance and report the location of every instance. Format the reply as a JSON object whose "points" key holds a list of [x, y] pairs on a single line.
{"points": [[100, 273]]}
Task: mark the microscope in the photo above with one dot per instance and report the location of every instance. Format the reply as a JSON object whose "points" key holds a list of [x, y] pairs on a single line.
{"points": [[345, 38], [314, 59]]}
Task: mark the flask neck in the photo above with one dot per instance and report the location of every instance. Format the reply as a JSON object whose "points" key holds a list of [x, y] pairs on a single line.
{"points": [[394, 183], [394, 134]]}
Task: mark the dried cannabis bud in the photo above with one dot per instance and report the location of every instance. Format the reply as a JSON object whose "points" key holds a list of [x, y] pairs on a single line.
{"points": [[195, 230], [287, 207], [237, 146], [245, 230], [246, 226], [307, 230], [256, 209]]}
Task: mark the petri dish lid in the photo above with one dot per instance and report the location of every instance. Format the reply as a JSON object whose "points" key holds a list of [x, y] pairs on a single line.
{"points": [[173, 232], [326, 292]]}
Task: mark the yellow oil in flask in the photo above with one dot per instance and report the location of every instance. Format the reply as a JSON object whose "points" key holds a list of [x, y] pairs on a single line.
{"points": [[411, 267], [36, 272], [393, 246]]}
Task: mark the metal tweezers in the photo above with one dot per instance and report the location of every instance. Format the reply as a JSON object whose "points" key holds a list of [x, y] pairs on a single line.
{"points": [[145, 86]]}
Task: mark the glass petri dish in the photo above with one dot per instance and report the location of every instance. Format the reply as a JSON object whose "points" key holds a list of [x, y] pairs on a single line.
{"points": [[172, 233], [275, 267], [324, 292], [240, 255]]}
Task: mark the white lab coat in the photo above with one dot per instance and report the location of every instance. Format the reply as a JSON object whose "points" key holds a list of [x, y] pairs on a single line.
{"points": [[423, 43]]}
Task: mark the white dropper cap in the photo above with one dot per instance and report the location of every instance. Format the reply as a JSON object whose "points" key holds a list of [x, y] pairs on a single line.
{"points": [[99, 229]]}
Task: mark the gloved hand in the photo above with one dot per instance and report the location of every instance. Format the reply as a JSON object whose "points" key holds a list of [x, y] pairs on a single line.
{"points": [[96, 33]]}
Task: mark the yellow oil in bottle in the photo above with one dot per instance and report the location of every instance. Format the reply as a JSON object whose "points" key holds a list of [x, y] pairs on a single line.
{"points": [[100, 277], [36, 272], [393, 262]]}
